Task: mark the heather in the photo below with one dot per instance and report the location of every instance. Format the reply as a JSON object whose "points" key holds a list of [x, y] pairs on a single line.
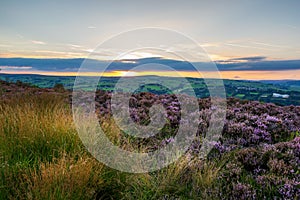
{"points": [[42, 157]]}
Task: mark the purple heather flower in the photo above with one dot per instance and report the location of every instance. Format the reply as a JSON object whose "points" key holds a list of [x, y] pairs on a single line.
{"points": [[290, 191], [272, 119]]}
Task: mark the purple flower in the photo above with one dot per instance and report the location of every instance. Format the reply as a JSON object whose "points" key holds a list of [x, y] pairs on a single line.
{"points": [[272, 119], [290, 190]]}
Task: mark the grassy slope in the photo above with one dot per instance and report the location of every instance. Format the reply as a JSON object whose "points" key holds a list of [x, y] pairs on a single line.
{"points": [[41, 157]]}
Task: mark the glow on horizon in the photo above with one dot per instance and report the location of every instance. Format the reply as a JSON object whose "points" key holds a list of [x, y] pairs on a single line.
{"points": [[235, 75]]}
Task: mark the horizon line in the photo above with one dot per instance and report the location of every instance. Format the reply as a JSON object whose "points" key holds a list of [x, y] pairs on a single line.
{"points": [[224, 75]]}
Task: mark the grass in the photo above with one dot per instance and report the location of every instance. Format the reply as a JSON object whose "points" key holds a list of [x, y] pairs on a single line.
{"points": [[35, 131], [240, 95], [41, 157]]}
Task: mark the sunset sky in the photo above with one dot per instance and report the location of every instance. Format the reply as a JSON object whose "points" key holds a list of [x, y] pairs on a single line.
{"points": [[225, 29]]}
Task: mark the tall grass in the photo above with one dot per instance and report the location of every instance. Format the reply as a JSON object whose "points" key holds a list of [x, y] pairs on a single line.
{"points": [[41, 157], [36, 128], [34, 131]]}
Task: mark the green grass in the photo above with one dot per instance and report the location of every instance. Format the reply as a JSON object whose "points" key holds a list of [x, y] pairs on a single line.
{"points": [[239, 95], [41, 157]]}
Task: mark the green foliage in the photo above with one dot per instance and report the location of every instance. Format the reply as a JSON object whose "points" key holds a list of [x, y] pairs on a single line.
{"points": [[58, 87]]}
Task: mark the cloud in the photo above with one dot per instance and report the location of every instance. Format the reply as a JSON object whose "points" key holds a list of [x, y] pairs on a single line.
{"points": [[5, 45], [210, 45], [249, 59], [269, 45], [74, 45], [241, 60], [15, 67], [38, 42], [292, 26], [92, 27], [249, 46], [260, 65], [257, 63], [89, 50]]}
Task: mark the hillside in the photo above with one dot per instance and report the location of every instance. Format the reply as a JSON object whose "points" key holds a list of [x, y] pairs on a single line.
{"points": [[42, 156]]}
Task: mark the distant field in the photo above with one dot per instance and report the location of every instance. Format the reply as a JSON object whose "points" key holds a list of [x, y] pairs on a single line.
{"points": [[250, 90]]}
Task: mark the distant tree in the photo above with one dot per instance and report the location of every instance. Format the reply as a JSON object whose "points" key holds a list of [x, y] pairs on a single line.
{"points": [[7, 79], [22, 84], [58, 87], [19, 83]]}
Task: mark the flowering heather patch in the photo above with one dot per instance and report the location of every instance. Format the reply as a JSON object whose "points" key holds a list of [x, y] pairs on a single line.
{"points": [[248, 123], [272, 168], [259, 140]]}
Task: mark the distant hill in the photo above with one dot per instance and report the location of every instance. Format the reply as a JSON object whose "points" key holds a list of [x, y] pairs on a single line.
{"points": [[291, 84], [248, 90]]}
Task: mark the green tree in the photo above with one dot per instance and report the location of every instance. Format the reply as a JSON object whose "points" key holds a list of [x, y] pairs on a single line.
{"points": [[59, 87]]}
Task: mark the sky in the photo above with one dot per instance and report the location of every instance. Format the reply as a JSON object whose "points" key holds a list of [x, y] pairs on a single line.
{"points": [[227, 30]]}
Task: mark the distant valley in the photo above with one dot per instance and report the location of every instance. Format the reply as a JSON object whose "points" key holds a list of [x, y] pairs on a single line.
{"points": [[285, 92]]}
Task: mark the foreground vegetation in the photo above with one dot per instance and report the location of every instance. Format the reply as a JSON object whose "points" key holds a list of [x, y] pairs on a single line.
{"points": [[41, 157]]}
